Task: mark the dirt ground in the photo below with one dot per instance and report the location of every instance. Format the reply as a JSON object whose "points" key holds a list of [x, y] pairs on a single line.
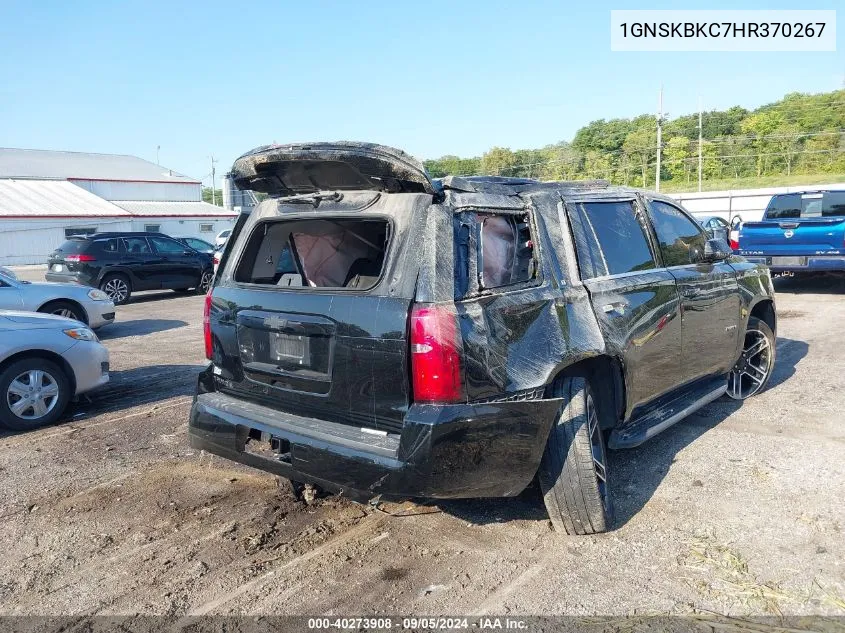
{"points": [[737, 510]]}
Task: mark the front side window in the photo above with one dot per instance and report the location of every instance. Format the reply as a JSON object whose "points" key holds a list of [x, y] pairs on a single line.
{"points": [[609, 239], [163, 245], [681, 240]]}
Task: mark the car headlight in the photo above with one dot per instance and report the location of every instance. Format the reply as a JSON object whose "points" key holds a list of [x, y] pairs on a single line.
{"points": [[98, 295], [81, 334]]}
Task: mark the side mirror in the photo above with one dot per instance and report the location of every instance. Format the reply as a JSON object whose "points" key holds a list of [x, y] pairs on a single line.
{"points": [[716, 250]]}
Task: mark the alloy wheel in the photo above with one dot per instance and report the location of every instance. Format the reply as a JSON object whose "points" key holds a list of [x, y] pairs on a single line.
{"points": [[32, 394], [205, 281], [752, 370], [65, 312], [597, 446], [116, 289]]}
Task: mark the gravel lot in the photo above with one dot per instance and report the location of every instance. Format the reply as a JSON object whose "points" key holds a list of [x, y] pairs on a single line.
{"points": [[737, 510]]}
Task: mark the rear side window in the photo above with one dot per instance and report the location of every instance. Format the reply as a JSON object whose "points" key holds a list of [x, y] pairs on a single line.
{"points": [[505, 252], [107, 246], [609, 239], [681, 240], [136, 245], [315, 253], [806, 205]]}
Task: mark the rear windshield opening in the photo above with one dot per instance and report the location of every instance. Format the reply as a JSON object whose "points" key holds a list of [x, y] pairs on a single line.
{"points": [[316, 254]]}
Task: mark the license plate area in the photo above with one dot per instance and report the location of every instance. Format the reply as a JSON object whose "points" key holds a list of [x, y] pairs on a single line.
{"points": [[289, 348], [789, 261], [295, 346]]}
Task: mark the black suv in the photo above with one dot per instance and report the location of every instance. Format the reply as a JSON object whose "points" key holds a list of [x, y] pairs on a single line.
{"points": [[375, 332], [122, 263]]}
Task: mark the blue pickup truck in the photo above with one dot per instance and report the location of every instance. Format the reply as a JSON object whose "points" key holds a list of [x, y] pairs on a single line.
{"points": [[800, 232]]}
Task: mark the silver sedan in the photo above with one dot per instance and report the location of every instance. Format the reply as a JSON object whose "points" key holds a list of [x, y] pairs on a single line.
{"points": [[45, 360], [81, 303]]}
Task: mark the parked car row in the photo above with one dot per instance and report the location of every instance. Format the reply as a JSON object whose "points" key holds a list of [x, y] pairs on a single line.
{"points": [[122, 263], [456, 338]]}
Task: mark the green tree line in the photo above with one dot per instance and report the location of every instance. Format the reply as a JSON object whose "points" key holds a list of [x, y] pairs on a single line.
{"points": [[800, 134]]}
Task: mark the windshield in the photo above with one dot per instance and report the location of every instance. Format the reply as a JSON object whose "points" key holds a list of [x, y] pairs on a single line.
{"points": [[824, 204]]}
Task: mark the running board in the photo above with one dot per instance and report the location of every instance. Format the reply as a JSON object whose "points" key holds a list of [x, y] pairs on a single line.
{"points": [[654, 422]]}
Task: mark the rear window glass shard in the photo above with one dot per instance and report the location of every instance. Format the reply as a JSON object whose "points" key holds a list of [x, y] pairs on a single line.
{"points": [[324, 253]]}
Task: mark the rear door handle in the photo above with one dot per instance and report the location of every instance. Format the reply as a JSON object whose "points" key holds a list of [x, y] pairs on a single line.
{"points": [[617, 307]]}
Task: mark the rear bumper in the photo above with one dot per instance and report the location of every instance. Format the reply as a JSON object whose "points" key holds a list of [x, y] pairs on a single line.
{"points": [[70, 278], [444, 451], [819, 263]]}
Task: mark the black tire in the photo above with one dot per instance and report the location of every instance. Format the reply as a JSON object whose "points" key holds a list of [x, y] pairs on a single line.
{"points": [[14, 422], [752, 371], [576, 494], [118, 287], [65, 309], [205, 281]]}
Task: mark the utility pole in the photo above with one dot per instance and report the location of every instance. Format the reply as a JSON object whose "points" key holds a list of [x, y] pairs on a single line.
{"points": [[213, 179], [700, 143], [659, 138], [158, 148]]}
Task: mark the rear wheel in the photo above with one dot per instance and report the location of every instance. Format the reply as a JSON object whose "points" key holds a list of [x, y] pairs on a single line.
{"points": [[573, 472], [66, 309], [117, 287], [33, 392], [754, 367]]}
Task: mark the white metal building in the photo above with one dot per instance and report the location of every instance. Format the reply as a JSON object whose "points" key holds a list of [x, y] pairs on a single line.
{"points": [[47, 196]]}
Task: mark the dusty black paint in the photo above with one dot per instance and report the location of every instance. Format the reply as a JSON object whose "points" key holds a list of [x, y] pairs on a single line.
{"points": [[655, 338]]}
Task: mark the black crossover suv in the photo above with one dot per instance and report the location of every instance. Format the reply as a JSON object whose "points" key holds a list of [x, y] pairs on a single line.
{"points": [[122, 263], [376, 332]]}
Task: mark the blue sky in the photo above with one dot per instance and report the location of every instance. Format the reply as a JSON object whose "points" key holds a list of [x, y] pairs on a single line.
{"points": [[434, 78]]}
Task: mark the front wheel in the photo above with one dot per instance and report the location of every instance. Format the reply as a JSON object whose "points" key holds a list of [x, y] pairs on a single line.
{"points": [[33, 392], [573, 471], [753, 368], [65, 309]]}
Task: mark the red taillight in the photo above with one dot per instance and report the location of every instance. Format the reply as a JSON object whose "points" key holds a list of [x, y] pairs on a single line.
{"points": [[733, 240], [435, 354], [80, 258], [206, 326]]}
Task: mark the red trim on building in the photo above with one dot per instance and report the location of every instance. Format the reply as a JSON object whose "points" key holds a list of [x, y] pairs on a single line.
{"points": [[157, 182], [111, 217]]}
